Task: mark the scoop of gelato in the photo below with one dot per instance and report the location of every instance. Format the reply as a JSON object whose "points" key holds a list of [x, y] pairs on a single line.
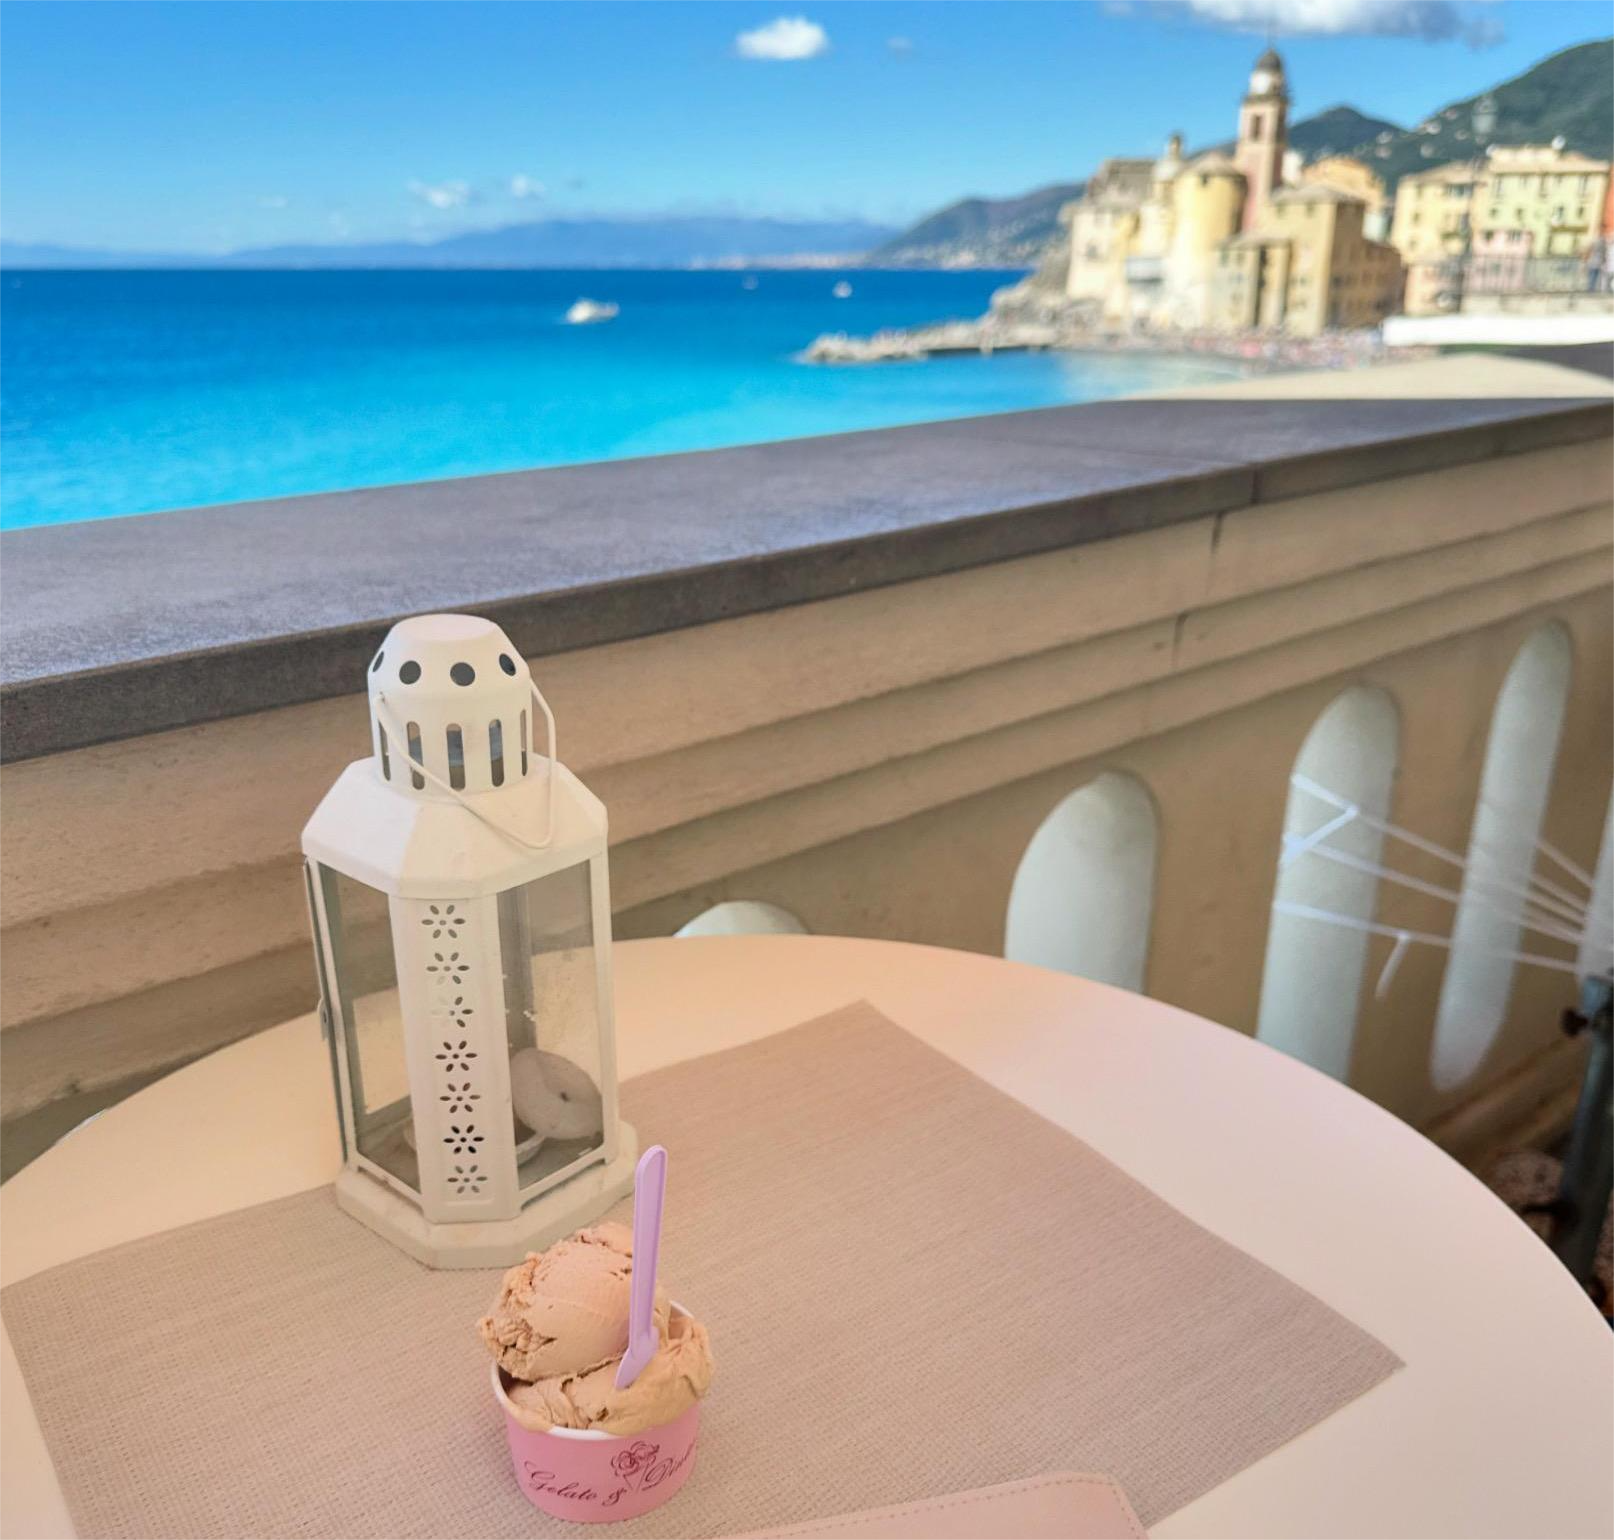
{"points": [[559, 1329], [564, 1310], [677, 1377]]}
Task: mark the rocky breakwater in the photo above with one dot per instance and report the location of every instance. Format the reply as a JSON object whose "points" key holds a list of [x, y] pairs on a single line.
{"points": [[1035, 315], [987, 334]]}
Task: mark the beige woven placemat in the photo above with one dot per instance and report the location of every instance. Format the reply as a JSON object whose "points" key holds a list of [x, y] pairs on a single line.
{"points": [[914, 1285]]}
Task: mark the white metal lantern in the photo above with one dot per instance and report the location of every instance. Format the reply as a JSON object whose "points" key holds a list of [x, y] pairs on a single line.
{"points": [[462, 922]]}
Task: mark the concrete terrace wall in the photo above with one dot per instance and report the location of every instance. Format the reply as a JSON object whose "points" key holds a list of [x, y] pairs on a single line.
{"points": [[848, 677]]}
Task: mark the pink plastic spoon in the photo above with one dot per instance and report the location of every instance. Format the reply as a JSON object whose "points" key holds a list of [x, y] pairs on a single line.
{"points": [[649, 1189]]}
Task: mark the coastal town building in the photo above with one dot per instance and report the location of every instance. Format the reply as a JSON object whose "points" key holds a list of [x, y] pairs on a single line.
{"points": [[1104, 225], [1432, 229], [1240, 241], [1552, 195], [1523, 218], [1434, 211], [1307, 267], [1347, 174], [1263, 135]]}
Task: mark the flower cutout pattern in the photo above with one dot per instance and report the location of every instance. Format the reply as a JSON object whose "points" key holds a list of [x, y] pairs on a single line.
{"points": [[443, 921], [459, 1097], [462, 1141], [456, 1057], [465, 1181], [448, 969], [461, 1012]]}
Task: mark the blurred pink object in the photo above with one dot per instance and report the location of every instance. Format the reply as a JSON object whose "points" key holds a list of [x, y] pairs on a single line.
{"points": [[591, 1477]]}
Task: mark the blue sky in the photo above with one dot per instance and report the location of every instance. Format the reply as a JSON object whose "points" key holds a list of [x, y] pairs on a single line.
{"points": [[206, 126]]}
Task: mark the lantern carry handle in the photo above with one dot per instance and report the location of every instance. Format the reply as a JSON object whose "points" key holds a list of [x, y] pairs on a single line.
{"points": [[389, 726]]}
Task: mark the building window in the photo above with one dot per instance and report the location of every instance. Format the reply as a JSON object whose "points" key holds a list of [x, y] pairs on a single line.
{"points": [[1083, 897], [1255, 130]]}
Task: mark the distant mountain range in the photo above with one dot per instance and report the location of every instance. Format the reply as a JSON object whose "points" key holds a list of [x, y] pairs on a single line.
{"points": [[981, 232], [1569, 94], [677, 242]]}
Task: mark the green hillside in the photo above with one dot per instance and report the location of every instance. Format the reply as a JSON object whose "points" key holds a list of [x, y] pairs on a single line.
{"points": [[1333, 132], [985, 232], [1570, 94]]}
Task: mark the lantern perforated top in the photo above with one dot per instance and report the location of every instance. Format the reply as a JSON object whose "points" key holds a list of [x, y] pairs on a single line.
{"points": [[451, 693]]}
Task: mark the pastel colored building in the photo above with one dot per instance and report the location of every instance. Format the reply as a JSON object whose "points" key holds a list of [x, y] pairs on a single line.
{"points": [[1235, 241], [1104, 225], [1357, 179], [1263, 134], [1514, 223], [1554, 195], [1317, 271], [1434, 211]]}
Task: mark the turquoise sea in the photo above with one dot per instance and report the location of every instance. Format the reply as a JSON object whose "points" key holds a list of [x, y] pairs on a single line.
{"points": [[127, 392]]}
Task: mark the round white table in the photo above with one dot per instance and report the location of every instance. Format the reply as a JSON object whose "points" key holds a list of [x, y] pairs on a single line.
{"points": [[1501, 1423]]}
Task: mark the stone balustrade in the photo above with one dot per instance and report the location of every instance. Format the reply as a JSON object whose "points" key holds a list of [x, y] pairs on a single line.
{"points": [[852, 678]]}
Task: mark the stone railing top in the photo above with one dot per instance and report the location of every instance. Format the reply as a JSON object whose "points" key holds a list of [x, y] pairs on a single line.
{"points": [[127, 626]]}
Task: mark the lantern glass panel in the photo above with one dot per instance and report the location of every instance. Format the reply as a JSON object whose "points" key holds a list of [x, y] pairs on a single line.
{"points": [[552, 1023], [366, 986]]}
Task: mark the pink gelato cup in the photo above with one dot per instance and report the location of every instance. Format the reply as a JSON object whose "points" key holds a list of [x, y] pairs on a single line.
{"points": [[591, 1477]]}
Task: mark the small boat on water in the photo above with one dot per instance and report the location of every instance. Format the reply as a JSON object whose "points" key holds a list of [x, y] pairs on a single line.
{"points": [[842, 290], [587, 311]]}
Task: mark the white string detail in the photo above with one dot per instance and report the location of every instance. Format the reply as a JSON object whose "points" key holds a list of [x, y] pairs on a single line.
{"points": [[1391, 965], [1547, 897], [1373, 928]]}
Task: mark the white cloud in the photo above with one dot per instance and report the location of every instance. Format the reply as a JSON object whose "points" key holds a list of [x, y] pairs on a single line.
{"points": [[1430, 21], [273, 201], [786, 37], [443, 195], [523, 186], [899, 45]]}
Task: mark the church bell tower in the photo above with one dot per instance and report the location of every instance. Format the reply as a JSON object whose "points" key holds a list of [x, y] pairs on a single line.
{"points": [[1263, 134]]}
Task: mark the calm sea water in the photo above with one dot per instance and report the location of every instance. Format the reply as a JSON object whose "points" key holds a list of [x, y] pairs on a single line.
{"points": [[126, 392]]}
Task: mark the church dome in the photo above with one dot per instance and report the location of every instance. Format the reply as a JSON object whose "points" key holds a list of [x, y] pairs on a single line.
{"points": [[1266, 79]]}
